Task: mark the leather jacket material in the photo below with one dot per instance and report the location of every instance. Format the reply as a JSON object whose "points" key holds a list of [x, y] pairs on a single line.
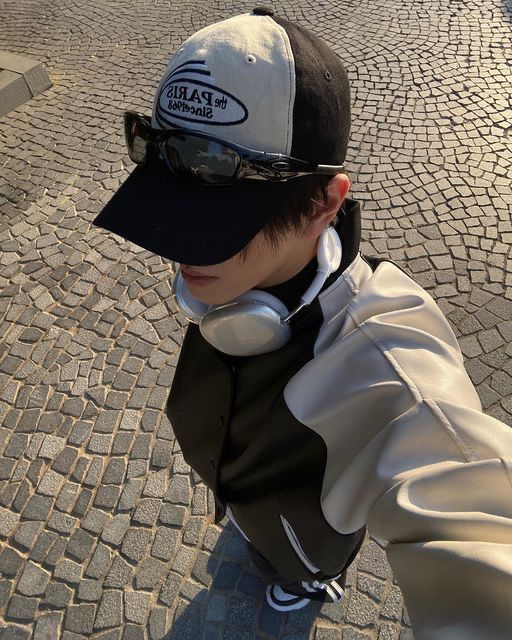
{"points": [[366, 417]]}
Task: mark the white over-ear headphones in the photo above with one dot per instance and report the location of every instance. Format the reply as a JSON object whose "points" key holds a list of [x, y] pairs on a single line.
{"points": [[256, 322]]}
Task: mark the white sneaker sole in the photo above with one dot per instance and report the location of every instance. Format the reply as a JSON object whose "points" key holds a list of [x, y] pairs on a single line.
{"points": [[281, 601]]}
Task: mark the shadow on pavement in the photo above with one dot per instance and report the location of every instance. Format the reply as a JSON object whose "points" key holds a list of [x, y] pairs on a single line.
{"points": [[234, 606]]}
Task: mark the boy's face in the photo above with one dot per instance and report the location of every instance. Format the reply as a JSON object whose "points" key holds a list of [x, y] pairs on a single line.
{"points": [[263, 267]]}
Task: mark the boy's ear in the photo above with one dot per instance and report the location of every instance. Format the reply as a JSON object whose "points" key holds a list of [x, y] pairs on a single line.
{"points": [[325, 212]]}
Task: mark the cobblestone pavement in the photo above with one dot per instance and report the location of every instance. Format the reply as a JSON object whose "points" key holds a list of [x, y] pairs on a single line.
{"points": [[104, 530]]}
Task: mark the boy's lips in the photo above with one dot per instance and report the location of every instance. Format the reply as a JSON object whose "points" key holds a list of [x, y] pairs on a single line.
{"points": [[195, 274], [192, 278]]}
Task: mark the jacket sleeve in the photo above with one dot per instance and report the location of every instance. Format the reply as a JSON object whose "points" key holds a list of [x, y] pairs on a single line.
{"points": [[448, 525], [417, 460]]}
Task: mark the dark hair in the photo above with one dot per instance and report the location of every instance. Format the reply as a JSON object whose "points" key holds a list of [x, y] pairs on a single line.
{"points": [[293, 209]]}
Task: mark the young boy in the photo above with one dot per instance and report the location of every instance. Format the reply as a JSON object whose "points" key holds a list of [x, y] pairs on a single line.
{"points": [[318, 392]]}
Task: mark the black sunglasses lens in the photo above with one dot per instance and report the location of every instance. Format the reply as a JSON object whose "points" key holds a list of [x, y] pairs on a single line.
{"points": [[136, 135], [201, 160]]}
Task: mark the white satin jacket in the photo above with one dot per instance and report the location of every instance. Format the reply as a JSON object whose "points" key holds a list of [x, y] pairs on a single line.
{"points": [[366, 418]]}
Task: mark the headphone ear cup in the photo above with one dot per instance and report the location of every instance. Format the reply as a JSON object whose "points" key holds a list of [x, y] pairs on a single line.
{"points": [[193, 309], [254, 295], [247, 326]]}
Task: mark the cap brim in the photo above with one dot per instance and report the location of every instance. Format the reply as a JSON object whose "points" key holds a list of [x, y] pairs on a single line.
{"points": [[189, 224]]}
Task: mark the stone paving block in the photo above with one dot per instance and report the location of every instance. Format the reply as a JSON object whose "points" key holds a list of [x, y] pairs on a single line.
{"points": [[80, 433], [21, 608], [95, 520], [211, 537], [234, 633], [79, 618], [133, 632], [131, 492], [250, 584], [51, 447], [62, 523], [165, 543], [171, 588], [120, 574], [10, 562], [157, 623], [94, 472], [58, 595], [115, 529], [107, 496], [156, 484], [374, 588], [172, 515], [8, 522], [110, 610], [150, 573], [17, 445], [361, 610], [194, 531], [22, 496], [65, 460], [43, 543], [99, 443], [136, 606], [137, 468], [372, 559], [161, 455], [80, 545], [352, 634], [193, 592], [141, 447], [48, 625], [33, 580], [100, 562], [136, 543], [14, 632], [114, 473], [216, 609], [200, 500], [388, 632], [6, 468], [242, 612], [5, 591], [122, 443], [67, 496], [113, 634], [80, 469], [68, 571], [90, 590], [147, 511], [327, 633], [227, 575], [235, 547]]}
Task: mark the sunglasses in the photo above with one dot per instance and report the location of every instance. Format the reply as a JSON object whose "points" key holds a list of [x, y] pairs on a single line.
{"points": [[207, 160]]}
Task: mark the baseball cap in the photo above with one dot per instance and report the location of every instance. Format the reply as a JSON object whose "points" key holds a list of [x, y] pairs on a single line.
{"points": [[257, 80]]}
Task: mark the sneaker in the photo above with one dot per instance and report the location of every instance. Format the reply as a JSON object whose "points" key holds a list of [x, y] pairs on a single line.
{"points": [[295, 596]]}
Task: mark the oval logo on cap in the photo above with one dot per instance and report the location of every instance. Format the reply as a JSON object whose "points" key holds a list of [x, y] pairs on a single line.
{"points": [[192, 100]]}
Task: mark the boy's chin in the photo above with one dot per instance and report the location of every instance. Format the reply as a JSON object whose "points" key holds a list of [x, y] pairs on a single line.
{"points": [[213, 300]]}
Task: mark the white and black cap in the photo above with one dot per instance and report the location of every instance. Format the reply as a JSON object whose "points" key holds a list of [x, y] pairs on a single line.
{"points": [[257, 80]]}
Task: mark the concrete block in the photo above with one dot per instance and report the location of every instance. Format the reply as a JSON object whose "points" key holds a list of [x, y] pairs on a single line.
{"points": [[20, 79], [13, 91]]}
